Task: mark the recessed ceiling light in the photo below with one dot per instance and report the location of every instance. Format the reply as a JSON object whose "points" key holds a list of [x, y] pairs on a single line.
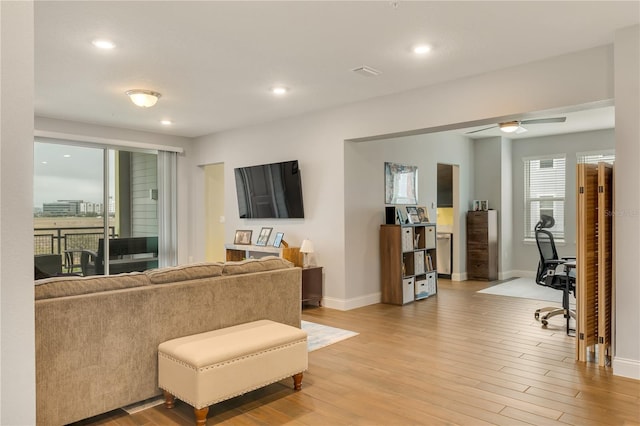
{"points": [[421, 49], [102, 43], [279, 90], [43, 162], [67, 156], [166, 122]]}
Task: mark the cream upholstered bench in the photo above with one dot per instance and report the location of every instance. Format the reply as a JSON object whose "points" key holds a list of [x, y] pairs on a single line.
{"points": [[210, 367]]}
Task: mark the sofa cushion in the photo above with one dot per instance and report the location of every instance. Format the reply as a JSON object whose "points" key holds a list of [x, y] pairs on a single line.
{"points": [[72, 286], [185, 272], [268, 263]]}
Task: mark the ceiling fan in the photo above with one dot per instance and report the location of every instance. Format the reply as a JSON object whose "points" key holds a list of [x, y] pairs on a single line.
{"points": [[516, 126]]}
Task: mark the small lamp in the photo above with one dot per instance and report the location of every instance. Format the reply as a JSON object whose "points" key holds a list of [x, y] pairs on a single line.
{"points": [[306, 248], [143, 98]]}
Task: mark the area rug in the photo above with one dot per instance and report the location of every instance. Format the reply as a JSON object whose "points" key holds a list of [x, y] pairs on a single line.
{"points": [[526, 288], [319, 336]]}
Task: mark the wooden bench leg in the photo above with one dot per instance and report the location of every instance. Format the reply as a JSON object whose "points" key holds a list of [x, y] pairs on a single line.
{"points": [[201, 416], [169, 400], [297, 381]]}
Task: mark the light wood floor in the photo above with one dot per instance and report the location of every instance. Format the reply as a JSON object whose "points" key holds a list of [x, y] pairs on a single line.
{"points": [[458, 358]]}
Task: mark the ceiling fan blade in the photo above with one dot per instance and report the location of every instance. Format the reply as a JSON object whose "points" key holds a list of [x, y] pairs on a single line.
{"points": [[520, 130], [481, 130], [545, 120]]}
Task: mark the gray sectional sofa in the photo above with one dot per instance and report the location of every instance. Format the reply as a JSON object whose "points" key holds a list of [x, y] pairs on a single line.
{"points": [[97, 337]]}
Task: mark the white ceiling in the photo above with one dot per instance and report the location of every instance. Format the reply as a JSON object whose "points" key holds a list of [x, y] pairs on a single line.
{"points": [[214, 62]]}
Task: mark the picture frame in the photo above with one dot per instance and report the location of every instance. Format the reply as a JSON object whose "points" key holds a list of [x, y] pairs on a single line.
{"points": [[278, 239], [400, 183], [423, 214], [263, 237], [412, 214], [475, 207], [484, 205], [243, 237], [401, 219]]}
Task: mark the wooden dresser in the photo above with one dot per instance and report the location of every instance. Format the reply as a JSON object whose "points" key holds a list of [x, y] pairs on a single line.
{"points": [[482, 245]]}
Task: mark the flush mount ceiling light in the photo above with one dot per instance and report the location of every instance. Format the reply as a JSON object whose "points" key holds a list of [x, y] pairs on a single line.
{"points": [[166, 122], [102, 43], [509, 126], [143, 98]]}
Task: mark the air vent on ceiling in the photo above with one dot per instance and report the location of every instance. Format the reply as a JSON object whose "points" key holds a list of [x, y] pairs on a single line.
{"points": [[366, 71]]}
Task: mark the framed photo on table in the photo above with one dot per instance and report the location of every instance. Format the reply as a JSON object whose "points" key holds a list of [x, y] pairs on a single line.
{"points": [[243, 237], [278, 240], [263, 238]]}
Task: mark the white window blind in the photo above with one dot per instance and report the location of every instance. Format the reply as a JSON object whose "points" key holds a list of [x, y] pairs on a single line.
{"points": [[544, 193], [595, 157]]}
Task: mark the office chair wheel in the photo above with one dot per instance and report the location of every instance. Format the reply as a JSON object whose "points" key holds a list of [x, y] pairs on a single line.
{"points": [[545, 323], [537, 315]]}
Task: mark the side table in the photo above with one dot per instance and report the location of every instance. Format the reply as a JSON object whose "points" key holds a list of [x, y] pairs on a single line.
{"points": [[312, 284]]}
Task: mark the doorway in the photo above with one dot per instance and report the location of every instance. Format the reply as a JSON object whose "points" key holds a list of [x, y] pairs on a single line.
{"points": [[447, 221], [214, 212]]}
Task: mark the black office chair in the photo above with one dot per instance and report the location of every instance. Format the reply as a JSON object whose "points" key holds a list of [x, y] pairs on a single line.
{"points": [[549, 273]]}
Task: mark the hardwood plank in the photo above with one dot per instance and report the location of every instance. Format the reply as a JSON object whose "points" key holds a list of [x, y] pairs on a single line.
{"points": [[460, 357]]}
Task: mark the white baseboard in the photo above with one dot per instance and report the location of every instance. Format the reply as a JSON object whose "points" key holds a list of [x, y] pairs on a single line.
{"points": [[506, 275], [459, 276], [348, 304], [626, 367]]}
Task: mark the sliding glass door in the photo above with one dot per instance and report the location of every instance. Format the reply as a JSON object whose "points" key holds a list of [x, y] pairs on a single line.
{"points": [[97, 203]]}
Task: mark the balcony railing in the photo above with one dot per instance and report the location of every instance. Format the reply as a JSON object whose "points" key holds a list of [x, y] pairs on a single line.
{"points": [[68, 242]]}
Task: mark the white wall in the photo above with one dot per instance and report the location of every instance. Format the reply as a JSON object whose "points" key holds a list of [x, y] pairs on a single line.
{"points": [[525, 255], [506, 216], [492, 181], [627, 203], [321, 168], [17, 344], [364, 199], [317, 140]]}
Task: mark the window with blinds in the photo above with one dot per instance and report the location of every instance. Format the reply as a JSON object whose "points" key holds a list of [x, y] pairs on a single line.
{"points": [[595, 157], [544, 193]]}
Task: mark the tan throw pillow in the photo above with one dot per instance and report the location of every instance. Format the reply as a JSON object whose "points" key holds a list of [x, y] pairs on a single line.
{"points": [[185, 272], [268, 263]]}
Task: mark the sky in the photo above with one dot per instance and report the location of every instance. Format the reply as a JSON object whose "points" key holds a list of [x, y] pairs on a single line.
{"points": [[66, 172]]}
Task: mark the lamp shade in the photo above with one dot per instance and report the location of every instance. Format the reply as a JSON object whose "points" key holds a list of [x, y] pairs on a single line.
{"points": [[143, 98], [306, 247]]}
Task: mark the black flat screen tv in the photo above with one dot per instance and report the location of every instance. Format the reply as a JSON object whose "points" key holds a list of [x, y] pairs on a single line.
{"points": [[271, 191]]}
